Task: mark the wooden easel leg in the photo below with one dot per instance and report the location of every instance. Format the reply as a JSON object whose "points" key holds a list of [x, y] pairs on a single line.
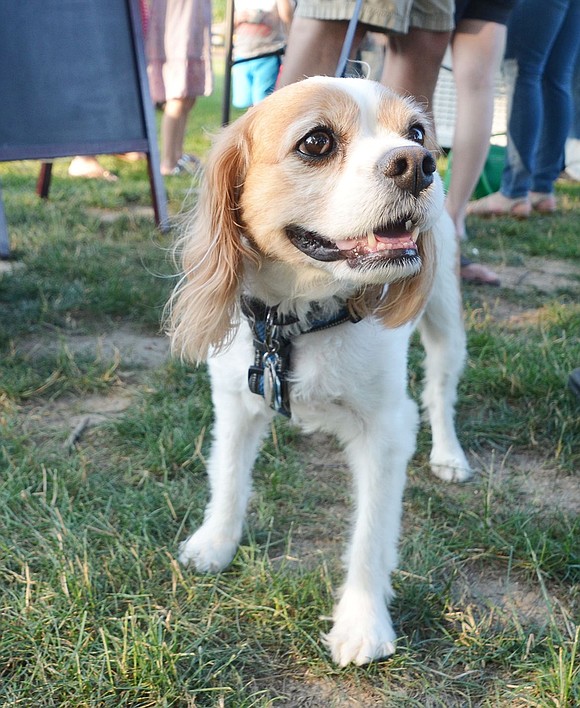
{"points": [[158, 194], [43, 182]]}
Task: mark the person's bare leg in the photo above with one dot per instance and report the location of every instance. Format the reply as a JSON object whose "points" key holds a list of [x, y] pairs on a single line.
{"points": [[173, 126], [413, 61], [313, 48], [477, 48]]}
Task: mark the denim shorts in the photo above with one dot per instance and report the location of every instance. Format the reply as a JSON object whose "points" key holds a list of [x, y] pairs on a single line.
{"points": [[486, 10], [385, 15]]}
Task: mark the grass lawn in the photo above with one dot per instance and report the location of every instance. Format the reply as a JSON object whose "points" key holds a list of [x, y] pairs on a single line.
{"points": [[103, 441]]}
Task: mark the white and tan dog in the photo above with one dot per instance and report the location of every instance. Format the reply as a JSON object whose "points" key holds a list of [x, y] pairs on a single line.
{"points": [[319, 238]]}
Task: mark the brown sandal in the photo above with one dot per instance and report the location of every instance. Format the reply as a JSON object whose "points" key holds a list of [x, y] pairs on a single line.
{"points": [[543, 203]]}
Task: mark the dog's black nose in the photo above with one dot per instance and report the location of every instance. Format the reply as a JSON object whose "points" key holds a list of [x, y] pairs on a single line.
{"points": [[411, 168]]}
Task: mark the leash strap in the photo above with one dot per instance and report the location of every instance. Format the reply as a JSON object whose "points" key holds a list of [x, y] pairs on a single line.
{"points": [[348, 40]]}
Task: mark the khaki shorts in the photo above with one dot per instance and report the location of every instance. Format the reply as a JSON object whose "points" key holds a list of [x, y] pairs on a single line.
{"points": [[385, 15]]}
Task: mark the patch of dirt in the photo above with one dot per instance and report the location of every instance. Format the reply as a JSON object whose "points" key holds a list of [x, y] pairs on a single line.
{"points": [[534, 481], [110, 216], [132, 348], [76, 414], [501, 598], [539, 274], [536, 274], [531, 483], [323, 693]]}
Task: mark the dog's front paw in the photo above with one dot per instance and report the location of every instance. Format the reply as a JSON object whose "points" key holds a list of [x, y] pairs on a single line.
{"points": [[451, 467], [207, 550], [362, 631]]}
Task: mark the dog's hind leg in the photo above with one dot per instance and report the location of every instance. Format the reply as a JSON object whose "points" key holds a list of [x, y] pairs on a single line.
{"points": [[443, 337], [237, 434], [378, 456]]}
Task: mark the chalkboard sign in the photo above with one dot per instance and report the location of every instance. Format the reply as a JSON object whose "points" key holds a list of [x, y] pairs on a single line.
{"points": [[73, 81]]}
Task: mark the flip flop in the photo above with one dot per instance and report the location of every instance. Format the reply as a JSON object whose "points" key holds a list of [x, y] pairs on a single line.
{"points": [[187, 164], [477, 274]]}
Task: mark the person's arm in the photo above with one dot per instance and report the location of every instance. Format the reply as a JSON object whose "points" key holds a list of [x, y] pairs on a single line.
{"points": [[286, 11]]}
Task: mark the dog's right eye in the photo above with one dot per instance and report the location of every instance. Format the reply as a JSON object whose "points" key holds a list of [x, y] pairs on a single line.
{"points": [[319, 143], [417, 134]]}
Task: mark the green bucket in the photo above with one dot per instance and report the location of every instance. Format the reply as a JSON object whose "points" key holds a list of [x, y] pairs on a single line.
{"points": [[490, 178]]}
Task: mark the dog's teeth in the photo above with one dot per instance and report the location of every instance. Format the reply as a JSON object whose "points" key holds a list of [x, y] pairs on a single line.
{"points": [[409, 225], [415, 234], [372, 240]]}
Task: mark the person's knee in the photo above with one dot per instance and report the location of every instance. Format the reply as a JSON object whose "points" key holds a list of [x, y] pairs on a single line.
{"points": [[425, 44], [413, 62], [473, 78], [178, 107]]}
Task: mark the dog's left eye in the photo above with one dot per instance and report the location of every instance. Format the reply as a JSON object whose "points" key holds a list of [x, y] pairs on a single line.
{"points": [[319, 143], [416, 134]]}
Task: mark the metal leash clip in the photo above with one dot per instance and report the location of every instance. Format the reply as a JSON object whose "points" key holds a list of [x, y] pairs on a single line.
{"points": [[268, 375], [272, 383], [271, 363]]}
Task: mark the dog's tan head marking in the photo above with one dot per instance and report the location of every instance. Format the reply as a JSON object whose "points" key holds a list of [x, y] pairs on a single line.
{"points": [[328, 187]]}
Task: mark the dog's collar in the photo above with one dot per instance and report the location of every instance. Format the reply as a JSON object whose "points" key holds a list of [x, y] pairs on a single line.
{"points": [[268, 376]]}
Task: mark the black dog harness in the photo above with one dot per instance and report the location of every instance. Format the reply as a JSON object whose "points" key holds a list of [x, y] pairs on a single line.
{"points": [[268, 376]]}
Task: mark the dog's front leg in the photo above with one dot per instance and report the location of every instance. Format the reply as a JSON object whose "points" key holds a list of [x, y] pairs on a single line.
{"points": [[443, 336], [240, 425], [444, 341], [362, 629]]}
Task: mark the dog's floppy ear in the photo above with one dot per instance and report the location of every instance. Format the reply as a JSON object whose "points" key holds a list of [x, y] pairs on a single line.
{"points": [[406, 298], [203, 310]]}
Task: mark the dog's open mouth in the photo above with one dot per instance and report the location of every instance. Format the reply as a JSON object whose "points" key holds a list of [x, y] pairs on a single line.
{"points": [[389, 242]]}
